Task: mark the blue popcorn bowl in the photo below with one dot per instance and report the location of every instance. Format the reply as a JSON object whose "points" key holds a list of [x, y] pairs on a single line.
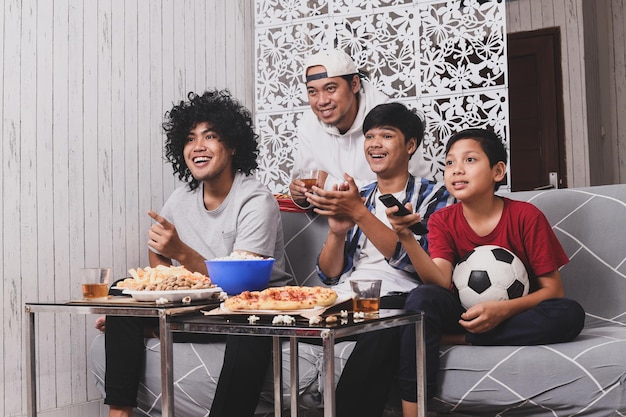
{"points": [[237, 275]]}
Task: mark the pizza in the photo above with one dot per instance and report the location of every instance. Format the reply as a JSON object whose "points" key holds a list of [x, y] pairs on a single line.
{"points": [[282, 298]]}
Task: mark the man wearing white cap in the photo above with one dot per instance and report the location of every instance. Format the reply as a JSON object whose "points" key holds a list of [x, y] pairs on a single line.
{"points": [[330, 138]]}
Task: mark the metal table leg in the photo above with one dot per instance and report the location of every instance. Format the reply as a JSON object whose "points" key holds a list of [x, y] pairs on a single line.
{"points": [[328, 342], [420, 360], [31, 376], [167, 371], [278, 375], [294, 375]]}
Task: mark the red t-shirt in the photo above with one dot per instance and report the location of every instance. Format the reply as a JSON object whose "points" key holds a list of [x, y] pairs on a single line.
{"points": [[523, 229]]}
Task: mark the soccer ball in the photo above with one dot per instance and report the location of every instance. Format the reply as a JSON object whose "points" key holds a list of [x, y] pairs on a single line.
{"points": [[490, 273]]}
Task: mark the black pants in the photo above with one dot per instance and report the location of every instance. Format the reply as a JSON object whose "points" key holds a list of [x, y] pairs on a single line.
{"points": [[555, 320], [362, 390], [246, 361], [370, 371]]}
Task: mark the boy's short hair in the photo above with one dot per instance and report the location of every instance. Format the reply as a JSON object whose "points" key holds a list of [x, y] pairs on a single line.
{"points": [[490, 143], [396, 115], [488, 140]]}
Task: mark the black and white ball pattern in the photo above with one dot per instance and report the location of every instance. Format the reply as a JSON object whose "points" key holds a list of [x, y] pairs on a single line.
{"points": [[490, 273]]}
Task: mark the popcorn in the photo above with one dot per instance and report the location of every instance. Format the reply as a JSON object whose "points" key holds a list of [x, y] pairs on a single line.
{"points": [[315, 320], [239, 255], [359, 315], [344, 313], [162, 300], [283, 319], [253, 319]]}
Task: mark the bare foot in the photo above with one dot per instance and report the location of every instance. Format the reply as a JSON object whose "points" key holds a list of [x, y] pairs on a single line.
{"points": [[149, 332], [409, 409], [117, 411]]}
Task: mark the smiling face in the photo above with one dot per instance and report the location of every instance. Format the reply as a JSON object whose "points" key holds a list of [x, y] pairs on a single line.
{"points": [[206, 155], [468, 174], [387, 153], [333, 100]]}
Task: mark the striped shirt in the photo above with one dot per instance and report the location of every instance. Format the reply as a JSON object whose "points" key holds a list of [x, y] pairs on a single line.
{"points": [[425, 196]]}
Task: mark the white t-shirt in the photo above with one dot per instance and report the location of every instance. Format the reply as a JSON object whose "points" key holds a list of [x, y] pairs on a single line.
{"points": [[248, 219]]}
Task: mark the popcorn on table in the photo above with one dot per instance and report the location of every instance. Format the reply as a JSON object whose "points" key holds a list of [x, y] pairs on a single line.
{"points": [[283, 319]]}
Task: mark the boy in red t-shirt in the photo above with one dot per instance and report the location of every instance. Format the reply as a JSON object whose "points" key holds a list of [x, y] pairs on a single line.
{"points": [[474, 168]]}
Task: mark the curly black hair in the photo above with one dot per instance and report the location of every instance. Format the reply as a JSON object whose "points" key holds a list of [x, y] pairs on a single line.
{"points": [[228, 118]]}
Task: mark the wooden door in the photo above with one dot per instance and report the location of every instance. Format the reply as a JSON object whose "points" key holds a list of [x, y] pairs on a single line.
{"points": [[536, 115]]}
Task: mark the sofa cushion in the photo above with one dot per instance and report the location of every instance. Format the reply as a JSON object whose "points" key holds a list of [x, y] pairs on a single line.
{"points": [[584, 377]]}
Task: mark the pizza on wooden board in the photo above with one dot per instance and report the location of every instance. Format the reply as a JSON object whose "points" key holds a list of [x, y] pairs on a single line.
{"points": [[289, 297]]}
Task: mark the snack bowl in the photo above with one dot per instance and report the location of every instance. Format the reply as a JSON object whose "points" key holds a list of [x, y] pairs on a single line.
{"points": [[237, 275]]}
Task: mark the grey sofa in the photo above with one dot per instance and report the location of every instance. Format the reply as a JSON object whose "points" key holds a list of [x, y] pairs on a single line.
{"points": [[585, 377]]}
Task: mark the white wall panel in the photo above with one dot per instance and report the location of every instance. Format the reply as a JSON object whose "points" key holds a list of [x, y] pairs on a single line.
{"points": [[617, 79], [3, 155], [83, 89], [11, 176]]}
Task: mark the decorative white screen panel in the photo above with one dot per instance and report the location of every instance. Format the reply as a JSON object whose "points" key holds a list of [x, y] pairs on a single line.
{"points": [[447, 59]]}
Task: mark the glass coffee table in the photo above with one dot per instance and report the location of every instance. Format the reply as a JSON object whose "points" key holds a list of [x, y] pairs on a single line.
{"points": [[238, 324], [114, 306]]}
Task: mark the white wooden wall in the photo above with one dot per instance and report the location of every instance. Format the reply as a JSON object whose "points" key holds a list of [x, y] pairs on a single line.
{"points": [[582, 141], [83, 89], [615, 17], [605, 33]]}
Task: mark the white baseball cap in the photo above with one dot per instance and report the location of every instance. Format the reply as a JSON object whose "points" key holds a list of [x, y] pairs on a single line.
{"points": [[336, 62]]}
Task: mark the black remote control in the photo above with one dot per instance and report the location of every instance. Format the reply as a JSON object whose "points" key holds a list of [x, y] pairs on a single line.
{"points": [[390, 201]]}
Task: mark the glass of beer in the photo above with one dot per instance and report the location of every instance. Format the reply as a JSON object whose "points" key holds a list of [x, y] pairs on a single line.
{"points": [[309, 177], [95, 282], [366, 296]]}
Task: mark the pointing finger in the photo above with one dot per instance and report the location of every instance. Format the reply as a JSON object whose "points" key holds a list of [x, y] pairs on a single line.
{"points": [[159, 219]]}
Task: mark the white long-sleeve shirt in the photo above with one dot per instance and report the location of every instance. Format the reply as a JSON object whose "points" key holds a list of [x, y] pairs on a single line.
{"points": [[321, 146]]}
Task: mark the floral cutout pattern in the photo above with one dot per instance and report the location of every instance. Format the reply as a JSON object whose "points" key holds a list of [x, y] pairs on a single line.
{"points": [[444, 58]]}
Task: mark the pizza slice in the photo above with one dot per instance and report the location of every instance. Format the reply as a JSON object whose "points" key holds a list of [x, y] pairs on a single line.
{"points": [[282, 298]]}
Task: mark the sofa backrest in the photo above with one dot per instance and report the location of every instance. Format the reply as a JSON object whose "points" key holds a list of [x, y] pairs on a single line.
{"points": [[304, 233], [591, 225], [589, 222]]}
